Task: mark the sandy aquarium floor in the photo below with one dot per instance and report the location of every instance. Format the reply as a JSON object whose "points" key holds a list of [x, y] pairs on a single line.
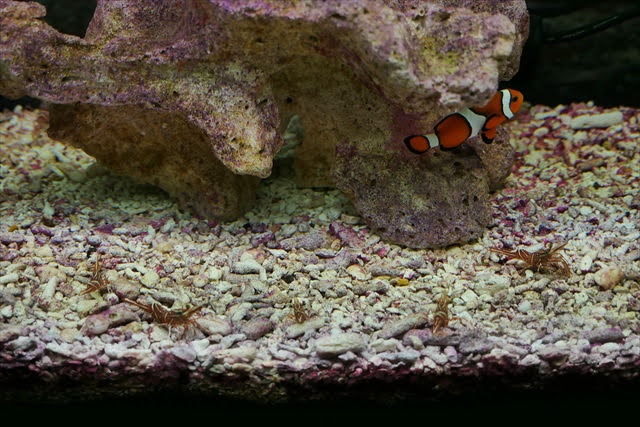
{"points": [[298, 296]]}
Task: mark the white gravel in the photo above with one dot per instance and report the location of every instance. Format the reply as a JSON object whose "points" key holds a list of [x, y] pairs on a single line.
{"points": [[369, 305]]}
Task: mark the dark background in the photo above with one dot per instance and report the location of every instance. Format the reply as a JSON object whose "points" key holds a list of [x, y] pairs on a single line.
{"points": [[607, 403], [603, 67]]}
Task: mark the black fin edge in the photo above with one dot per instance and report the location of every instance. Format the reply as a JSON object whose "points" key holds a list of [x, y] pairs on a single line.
{"points": [[449, 148]]}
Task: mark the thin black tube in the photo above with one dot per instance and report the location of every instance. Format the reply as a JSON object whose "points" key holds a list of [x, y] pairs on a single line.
{"points": [[587, 30], [560, 8]]}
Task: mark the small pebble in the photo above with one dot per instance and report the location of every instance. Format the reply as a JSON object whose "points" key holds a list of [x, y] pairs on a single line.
{"points": [[123, 287], [381, 345], [159, 334], [165, 247], [184, 352], [588, 121], [524, 306], [358, 272], [7, 311], [85, 305], [530, 360], [212, 325], [401, 281], [581, 298], [250, 266], [257, 328], [100, 323], [150, 279], [69, 334], [604, 335], [472, 344], [9, 278], [335, 345], [200, 281], [607, 278], [200, 346], [214, 273], [237, 355], [94, 240], [47, 210], [451, 353], [403, 324], [296, 329], [168, 226], [350, 219], [585, 263], [470, 299], [364, 287], [44, 251], [585, 210], [49, 288]]}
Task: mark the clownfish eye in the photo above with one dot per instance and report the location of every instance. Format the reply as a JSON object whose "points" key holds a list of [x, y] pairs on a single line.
{"points": [[515, 98]]}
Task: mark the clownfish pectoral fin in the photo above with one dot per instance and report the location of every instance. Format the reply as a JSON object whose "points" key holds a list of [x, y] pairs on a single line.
{"points": [[488, 136], [493, 121], [420, 144]]}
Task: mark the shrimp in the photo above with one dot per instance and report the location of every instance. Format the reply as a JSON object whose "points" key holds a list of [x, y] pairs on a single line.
{"points": [[543, 259], [442, 316], [299, 313], [170, 318], [98, 281]]}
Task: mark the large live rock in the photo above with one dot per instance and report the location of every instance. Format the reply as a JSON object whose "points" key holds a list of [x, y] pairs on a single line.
{"points": [[433, 200], [158, 148], [190, 94]]}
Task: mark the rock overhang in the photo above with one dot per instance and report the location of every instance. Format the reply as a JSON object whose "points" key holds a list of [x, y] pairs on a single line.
{"points": [[235, 70]]}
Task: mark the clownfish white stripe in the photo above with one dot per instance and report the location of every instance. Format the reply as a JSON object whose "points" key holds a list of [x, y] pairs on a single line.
{"points": [[474, 120], [433, 139], [506, 104]]}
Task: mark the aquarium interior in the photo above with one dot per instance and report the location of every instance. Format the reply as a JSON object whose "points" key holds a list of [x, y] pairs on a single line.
{"points": [[599, 62]]}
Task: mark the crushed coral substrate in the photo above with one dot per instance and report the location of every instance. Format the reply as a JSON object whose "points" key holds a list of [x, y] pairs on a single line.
{"points": [[298, 295]]}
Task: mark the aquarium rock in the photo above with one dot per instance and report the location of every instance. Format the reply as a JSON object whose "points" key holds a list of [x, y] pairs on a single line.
{"points": [[193, 96]]}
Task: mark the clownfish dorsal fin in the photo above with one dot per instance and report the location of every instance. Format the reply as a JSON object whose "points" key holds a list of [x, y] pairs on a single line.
{"points": [[494, 106]]}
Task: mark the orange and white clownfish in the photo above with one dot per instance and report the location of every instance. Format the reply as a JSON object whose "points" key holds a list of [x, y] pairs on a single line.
{"points": [[456, 128]]}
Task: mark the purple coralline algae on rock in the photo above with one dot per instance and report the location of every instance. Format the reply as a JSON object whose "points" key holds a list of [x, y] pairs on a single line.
{"points": [[193, 96]]}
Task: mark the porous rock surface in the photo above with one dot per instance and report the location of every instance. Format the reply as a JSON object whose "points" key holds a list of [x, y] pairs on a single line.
{"points": [[193, 95], [428, 201]]}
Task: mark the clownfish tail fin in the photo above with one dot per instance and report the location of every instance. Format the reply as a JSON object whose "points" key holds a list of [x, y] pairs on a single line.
{"points": [[416, 144], [420, 144]]}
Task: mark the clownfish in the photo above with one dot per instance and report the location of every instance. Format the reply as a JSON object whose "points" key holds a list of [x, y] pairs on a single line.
{"points": [[456, 128]]}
